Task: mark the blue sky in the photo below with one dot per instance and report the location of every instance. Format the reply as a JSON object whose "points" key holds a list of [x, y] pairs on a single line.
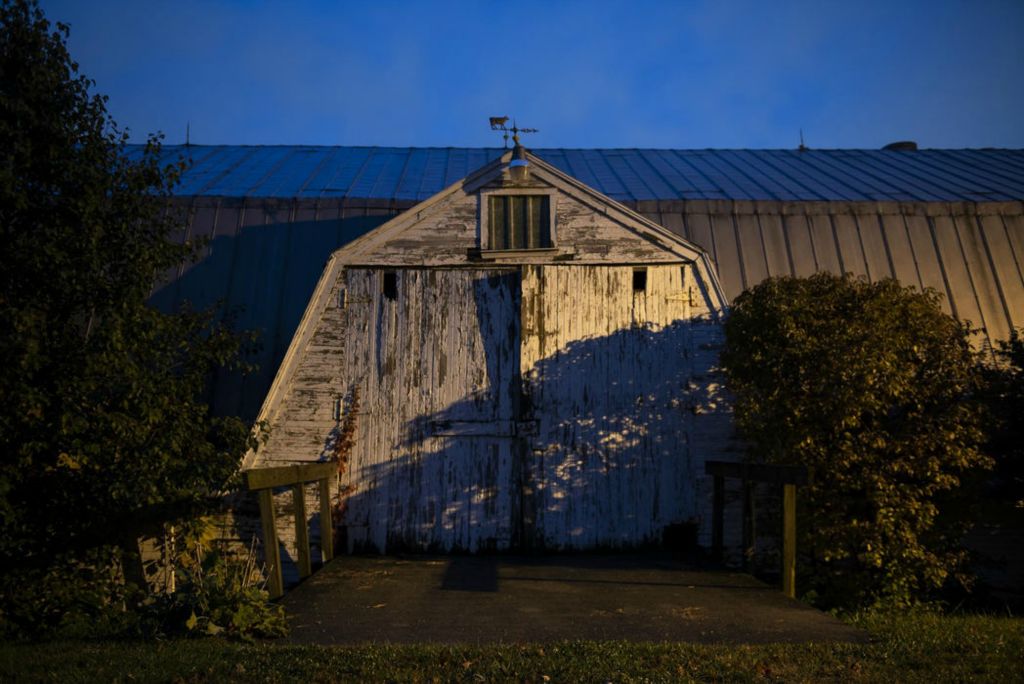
{"points": [[851, 74]]}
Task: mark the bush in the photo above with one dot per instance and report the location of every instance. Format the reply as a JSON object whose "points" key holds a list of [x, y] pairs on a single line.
{"points": [[219, 593], [872, 386], [1004, 395], [76, 596]]}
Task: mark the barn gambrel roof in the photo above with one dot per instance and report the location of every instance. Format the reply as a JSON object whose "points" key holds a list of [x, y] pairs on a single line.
{"points": [[948, 219], [412, 174]]}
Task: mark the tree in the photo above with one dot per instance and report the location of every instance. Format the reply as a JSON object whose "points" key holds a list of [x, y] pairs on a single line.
{"points": [[103, 431], [872, 386]]}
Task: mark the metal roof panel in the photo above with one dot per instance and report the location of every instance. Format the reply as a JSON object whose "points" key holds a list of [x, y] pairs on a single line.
{"points": [[404, 173]]}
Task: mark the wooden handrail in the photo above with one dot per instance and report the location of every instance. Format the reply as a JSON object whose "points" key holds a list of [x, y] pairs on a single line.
{"points": [[263, 481], [789, 476]]}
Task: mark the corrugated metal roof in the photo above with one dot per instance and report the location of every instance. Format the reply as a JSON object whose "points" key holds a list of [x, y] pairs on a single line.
{"points": [[410, 174]]}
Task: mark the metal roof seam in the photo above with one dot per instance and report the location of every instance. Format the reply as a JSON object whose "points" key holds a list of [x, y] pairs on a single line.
{"points": [[863, 249], [739, 250], [943, 270], [910, 190], [658, 156], [216, 177], [1006, 157], [913, 253], [838, 246], [927, 161], [756, 175], [901, 161], [764, 246], [877, 183], [714, 181], [973, 281], [592, 180], [356, 176], [319, 167], [644, 159], [719, 161], [623, 173], [604, 174], [777, 161], [992, 270], [885, 244], [1014, 182], [674, 159], [620, 178], [266, 176]]}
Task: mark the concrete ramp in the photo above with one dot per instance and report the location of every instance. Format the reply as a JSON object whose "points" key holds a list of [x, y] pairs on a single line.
{"points": [[491, 599]]}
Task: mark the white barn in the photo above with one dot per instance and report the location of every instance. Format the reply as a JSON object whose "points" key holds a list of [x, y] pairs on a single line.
{"points": [[562, 395], [534, 364]]}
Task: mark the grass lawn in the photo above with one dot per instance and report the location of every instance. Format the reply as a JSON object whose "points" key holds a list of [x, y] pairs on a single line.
{"points": [[914, 647]]}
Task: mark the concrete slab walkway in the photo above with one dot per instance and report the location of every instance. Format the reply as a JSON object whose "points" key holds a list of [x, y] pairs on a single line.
{"points": [[487, 599]]}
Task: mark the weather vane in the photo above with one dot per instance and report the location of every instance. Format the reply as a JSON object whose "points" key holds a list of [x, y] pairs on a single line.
{"points": [[498, 124]]}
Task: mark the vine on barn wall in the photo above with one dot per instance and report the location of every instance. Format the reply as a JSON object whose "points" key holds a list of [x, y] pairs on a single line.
{"points": [[344, 441]]}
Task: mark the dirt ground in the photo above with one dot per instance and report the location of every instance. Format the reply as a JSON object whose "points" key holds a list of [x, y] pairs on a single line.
{"points": [[488, 599]]}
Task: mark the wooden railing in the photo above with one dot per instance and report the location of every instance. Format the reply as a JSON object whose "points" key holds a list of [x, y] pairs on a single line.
{"points": [[263, 481], [789, 476]]}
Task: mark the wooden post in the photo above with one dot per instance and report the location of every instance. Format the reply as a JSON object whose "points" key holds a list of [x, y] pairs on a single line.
{"points": [[271, 553], [326, 522], [789, 540], [749, 527], [787, 475], [301, 531], [263, 481], [717, 517]]}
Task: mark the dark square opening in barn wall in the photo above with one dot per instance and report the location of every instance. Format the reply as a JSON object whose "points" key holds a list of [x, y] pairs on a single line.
{"points": [[519, 221], [639, 280], [390, 285]]}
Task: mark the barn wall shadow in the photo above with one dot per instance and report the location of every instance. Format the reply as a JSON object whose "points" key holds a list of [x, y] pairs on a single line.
{"points": [[600, 454], [264, 276]]}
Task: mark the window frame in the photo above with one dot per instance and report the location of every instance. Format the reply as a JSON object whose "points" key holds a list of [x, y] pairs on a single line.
{"points": [[484, 218]]}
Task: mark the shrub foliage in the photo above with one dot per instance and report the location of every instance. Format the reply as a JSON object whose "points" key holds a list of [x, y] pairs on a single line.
{"points": [[1004, 394], [104, 434], [871, 386]]}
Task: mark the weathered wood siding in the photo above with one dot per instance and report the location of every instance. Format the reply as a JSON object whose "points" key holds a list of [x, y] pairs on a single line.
{"points": [[511, 407], [284, 252], [519, 399], [449, 231], [437, 368], [613, 378]]}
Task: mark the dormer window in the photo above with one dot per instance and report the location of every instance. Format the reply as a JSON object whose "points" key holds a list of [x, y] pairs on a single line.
{"points": [[517, 221]]}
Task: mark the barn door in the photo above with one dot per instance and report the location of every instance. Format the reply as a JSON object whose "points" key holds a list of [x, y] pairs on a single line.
{"points": [[605, 368], [436, 355]]}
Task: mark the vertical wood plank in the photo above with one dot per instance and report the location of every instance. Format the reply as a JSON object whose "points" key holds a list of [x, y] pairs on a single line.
{"points": [[717, 517], [326, 522], [301, 530], [789, 540], [271, 552]]}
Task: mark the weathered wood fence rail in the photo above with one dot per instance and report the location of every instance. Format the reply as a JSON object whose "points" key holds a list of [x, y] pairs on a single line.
{"points": [[263, 481], [789, 476]]}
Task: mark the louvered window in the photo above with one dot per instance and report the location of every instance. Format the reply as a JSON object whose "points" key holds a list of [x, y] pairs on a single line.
{"points": [[519, 221]]}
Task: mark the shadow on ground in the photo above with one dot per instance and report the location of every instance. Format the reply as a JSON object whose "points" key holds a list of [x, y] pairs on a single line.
{"points": [[489, 599]]}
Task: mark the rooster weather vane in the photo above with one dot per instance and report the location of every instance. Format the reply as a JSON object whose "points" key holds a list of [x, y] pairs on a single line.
{"points": [[498, 124]]}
